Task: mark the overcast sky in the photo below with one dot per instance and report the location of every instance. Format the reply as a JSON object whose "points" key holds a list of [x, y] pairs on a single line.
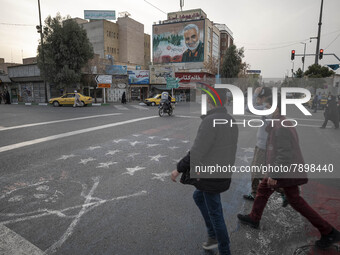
{"points": [[267, 29]]}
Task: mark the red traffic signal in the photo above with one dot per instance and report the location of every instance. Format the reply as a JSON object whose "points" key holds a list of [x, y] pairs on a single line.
{"points": [[321, 54], [292, 55]]}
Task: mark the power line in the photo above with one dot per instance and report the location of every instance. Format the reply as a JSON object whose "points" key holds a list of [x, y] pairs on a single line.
{"points": [[11, 24], [155, 7], [333, 41], [274, 48]]}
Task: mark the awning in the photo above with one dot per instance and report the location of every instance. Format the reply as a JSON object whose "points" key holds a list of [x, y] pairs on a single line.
{"points": [[139, 85], [5, 79]]}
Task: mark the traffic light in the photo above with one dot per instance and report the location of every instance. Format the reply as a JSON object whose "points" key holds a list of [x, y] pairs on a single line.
{"points": [[293, 55], [38, 29], [321, 54]]}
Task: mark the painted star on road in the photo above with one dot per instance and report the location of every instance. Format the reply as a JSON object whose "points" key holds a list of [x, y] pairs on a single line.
{"points": [[152, 145], [106, 165], [119, 140], [166, 139], [132, 155], [136, 135], [134, 143], [63, 157], [185, 141], [112, 152], [161, 176], [93, 148], [248, 149], [244, 158], [157, 157], [173, 147], [131, 171], [85, 161], [151, 137]]}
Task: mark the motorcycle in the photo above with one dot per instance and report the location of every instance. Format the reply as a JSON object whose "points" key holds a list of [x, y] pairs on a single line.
{"points": [[164, 108]]}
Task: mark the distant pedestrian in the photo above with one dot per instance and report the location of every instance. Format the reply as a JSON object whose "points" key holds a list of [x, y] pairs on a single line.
{"points": [[283, 149], [331, 112], [0, 97], [76, 99], [7, 98], [123, 98], [315, 103]]}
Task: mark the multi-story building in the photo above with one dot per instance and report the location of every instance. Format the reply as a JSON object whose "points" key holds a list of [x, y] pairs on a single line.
{"points": [[186, 41], [126, 45], [226, 39]]}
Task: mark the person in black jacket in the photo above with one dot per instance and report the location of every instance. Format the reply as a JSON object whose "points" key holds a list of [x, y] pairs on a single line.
{"points": [[331, 112], [212, 146]]}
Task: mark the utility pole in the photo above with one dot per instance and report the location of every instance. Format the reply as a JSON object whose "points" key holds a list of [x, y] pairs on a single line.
{"points": [[319, 34], [304, 57], [42, 52]]}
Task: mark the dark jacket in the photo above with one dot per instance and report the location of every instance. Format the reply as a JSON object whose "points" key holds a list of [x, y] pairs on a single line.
{"points": [[212, 145], [332, 110], [196, 56], [283, 149]]}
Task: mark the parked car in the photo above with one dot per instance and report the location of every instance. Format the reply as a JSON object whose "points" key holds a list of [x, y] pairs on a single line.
{"points": [[322, 103], [156, 99], [68, 99]]}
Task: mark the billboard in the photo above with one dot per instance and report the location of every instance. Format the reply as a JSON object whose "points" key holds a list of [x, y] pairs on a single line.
{"points": [[116, 69], [97, 14], [178, 42], [139, 77], [158, 74]]}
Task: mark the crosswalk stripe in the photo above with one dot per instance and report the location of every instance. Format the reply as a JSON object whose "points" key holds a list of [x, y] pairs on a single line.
{"points": [[140, 107], [120, 107]]}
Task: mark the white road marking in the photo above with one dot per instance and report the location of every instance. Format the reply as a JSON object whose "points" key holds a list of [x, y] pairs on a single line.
{"points": [[161, 176], [12, 243], [85, 161], [106, 165], [152, 145], [156, 158], [173, 147], [134, 143], [131, 171], [112, 152], [132, 155], [248, 149], [63, 157], [120, 107], [57, 121], [140, 107], [93, 148], [119, 140], [244, 158], [82, 131], [166, 139]]}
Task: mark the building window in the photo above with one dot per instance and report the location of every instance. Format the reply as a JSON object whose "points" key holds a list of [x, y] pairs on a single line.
{"points": [[114, 51], [114, 34], [117, 51], [117, 35], [224, 44]]}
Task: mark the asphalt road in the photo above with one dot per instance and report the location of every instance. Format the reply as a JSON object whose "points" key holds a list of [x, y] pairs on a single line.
{"points": [[95, 180]]}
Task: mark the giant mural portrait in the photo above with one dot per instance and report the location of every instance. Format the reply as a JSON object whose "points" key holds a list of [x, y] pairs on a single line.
{"points": [[178, 42]]}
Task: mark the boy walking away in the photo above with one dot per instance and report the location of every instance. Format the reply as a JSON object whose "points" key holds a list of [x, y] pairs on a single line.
{"points": [[76, 99], [283, 149]]}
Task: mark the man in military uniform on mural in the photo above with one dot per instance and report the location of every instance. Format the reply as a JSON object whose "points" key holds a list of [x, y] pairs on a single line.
{"points": [[195, 51]]}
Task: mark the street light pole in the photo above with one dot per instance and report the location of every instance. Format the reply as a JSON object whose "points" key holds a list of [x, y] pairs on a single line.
{"points": [[304, 57], [319, 34], [42, 53]]}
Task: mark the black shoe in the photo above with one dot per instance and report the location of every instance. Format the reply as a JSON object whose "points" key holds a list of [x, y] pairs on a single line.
{"points": [[245, 219], [322, 127], [327, 240], [211, 244], [249, 197]]}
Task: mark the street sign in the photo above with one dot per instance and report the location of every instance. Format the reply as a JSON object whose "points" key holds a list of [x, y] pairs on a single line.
{"points": [[254, 71], [172, 83], [334, 67], [103, 85], [104, 79]]}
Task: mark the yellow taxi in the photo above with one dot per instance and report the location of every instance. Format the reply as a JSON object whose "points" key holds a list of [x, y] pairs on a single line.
{"points": [[156, 100], [322, 103], [68, 99]]}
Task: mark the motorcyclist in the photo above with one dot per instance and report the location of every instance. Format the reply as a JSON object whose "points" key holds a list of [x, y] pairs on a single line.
{"points": [[166, 100]]}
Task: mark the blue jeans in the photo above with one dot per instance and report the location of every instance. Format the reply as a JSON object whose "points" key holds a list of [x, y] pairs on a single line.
{"points": [[211, 210]]}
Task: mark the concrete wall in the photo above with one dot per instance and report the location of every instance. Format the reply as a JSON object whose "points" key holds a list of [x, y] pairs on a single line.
{"points": [[131, 41], [147, 54], [24, 71], [111, 39], [95, 33]]}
